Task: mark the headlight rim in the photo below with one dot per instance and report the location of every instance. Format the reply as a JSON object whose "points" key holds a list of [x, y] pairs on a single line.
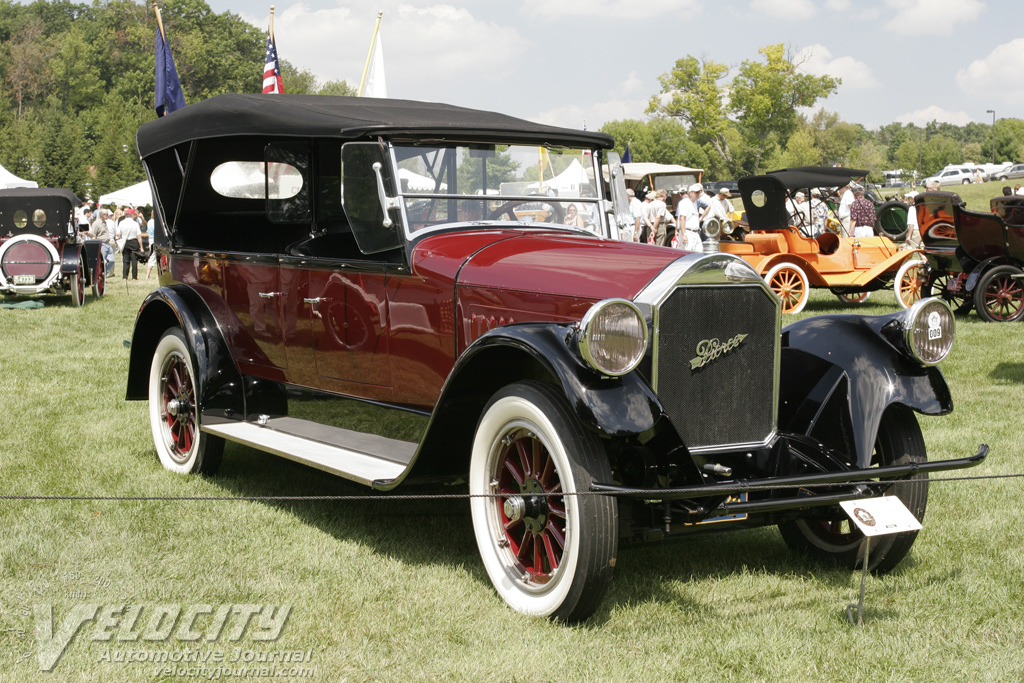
{"points": [[584, 341], [910, 318]]}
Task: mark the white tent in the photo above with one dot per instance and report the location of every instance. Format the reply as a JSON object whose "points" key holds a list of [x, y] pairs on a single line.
{"points": [[568, 183], [133, 195], [9, 180], [414, 182]]}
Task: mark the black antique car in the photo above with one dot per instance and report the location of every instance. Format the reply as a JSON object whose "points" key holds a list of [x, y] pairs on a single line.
{"points": [[367, 287], [975, 258], [40, 248]]}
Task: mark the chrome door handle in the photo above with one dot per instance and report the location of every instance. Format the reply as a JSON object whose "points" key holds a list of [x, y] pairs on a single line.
{"points": [[316, 300], [269, 295]]}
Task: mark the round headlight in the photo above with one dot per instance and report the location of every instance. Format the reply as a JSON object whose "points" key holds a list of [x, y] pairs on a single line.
{"points": [[929, 328], [713, 227], [613, 336], [728, 227]]}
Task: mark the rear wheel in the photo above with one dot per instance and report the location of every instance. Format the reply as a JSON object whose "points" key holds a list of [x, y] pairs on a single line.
{"points": [[789, 282], [547, 554], [999, 296], [831, 537], [99, 278], [174, 410], [949, 288], [910, 279], [853, 298]]}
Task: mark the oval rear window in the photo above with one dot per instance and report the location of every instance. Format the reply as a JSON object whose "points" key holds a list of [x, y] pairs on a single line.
{"points": [[246, 180]]}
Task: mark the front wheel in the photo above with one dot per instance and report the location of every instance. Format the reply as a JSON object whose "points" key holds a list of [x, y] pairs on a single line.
{"points": [[999, 295], [546, 553], [950, 288], [77, 286], [99, 278], [909, 283], [174, 410], [831, 537], [789, 282], [853, 298]]}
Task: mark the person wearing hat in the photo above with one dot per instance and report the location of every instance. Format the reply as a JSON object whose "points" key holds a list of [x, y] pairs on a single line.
{"points": [[688, 237], [660, 219], [819, 213], [636, 210], [721, 207]]}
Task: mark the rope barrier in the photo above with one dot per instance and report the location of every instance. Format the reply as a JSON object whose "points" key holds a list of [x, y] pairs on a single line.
{"points": [[458, 496]]}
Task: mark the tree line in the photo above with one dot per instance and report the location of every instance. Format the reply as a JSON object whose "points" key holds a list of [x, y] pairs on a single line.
{"points": [[78, 81], [750, 122]]}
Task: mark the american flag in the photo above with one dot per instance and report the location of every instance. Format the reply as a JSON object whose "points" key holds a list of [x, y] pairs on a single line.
{"points": [[271, 71]]}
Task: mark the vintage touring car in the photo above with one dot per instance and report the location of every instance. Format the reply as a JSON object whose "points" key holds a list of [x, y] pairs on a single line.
{"points": [[343, 283], [40, 248]]}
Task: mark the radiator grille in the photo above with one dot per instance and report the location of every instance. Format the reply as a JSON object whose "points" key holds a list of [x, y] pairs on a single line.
{"points": [[731, 398]]}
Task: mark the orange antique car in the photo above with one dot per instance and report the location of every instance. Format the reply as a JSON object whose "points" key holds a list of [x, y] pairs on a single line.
{"points": [[792, 262]]}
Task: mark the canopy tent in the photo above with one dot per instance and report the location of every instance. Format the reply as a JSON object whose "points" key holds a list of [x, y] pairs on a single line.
{"points": [[414, 182], [138, 194], [568, 183], [9, 180]]}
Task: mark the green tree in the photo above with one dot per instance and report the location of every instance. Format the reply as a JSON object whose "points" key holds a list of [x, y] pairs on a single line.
{"points": [[337, 88], [1009, 135]]}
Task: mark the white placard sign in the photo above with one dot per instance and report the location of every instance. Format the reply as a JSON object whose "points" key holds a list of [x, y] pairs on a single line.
{"points": [[880, 516]]}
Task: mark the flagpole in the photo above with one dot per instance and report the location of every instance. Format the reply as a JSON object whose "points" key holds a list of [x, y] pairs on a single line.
{"points": [[369, 56], [272, 23], [159, 21]]}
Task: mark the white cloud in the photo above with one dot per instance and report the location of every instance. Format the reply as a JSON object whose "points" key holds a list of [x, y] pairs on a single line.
{"points": [[999, 77], [632, 84], [788, 10], [922, 117], [837, 5], [817, 60], [932, 17], [592, 115], [429, 50], [613, 10]]}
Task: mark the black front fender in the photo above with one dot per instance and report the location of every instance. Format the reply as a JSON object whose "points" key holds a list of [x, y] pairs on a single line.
{"points": [[220, 388], [841, 372], [612, 406]]}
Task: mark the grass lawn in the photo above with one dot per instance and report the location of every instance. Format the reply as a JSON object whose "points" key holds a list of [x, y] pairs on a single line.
{"points": [[394, 590]]}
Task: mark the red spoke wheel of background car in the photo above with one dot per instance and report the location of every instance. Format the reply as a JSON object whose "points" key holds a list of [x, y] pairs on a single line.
{"points": [[854, 297], [950, 288], [547, 551], [174, 410], [99, 277], [909, 284], [76, 283], [999, 295], [789, 282], [827, 534]]}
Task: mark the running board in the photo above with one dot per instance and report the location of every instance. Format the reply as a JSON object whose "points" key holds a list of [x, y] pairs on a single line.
{"points": [[365, 458]]}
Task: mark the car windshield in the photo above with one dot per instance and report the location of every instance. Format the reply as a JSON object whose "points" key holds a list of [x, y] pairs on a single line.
{"points": [[533, 184]]}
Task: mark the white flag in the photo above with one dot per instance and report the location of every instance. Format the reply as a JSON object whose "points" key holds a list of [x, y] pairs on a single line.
{"points": [[376, 83]]}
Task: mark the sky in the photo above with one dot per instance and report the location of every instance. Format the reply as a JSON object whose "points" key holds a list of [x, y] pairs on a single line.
{"points": [[581, 63]]}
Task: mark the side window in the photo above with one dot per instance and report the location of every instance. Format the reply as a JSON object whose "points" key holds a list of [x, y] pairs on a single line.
{"points": [[365, 191], [288, 198]]}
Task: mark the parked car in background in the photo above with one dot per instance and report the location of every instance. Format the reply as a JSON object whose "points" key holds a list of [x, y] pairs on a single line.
{"points": [[41, 251], [1015, 171], [952, 176], [314, 306]]}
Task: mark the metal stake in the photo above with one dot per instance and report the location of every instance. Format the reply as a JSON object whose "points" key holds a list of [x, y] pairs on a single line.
{"points": [[859, 607]]}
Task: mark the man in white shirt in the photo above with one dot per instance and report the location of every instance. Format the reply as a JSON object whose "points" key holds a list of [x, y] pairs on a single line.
{"points": [[128, 230], [636, 210], [721, 207], [913, 230], [845, 201], [689, 233]]}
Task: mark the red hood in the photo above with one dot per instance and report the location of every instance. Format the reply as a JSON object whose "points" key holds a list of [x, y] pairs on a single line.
{"points": [[544, 262]]}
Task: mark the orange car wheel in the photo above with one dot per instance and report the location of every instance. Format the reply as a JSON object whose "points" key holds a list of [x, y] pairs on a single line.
{"points": [[789, 282], [910, 280], [854, 297]]}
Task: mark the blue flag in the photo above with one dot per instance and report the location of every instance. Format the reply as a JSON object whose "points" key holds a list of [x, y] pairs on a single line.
{"points": [[627, 156], [169, 96]]}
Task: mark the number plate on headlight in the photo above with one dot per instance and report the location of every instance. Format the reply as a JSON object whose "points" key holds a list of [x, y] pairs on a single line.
{"points": [[24, 279]]}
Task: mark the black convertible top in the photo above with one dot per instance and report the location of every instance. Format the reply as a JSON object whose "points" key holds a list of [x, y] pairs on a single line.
{"points": [[816, 176], [37, 192], [348, 118]]}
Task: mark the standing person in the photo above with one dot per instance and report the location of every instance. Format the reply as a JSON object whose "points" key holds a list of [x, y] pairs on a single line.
{"points": [[661, 219], [689, 231], [862, 213], [644, 226], [100, 230], [845, 200], [128, 232], [721, 208], [636, 209], [703, 203], [913, 229], [819, 213], [151, 261]]}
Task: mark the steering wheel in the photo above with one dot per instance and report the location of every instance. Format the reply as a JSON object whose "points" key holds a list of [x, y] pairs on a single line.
{"points": [[555, 211]]}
